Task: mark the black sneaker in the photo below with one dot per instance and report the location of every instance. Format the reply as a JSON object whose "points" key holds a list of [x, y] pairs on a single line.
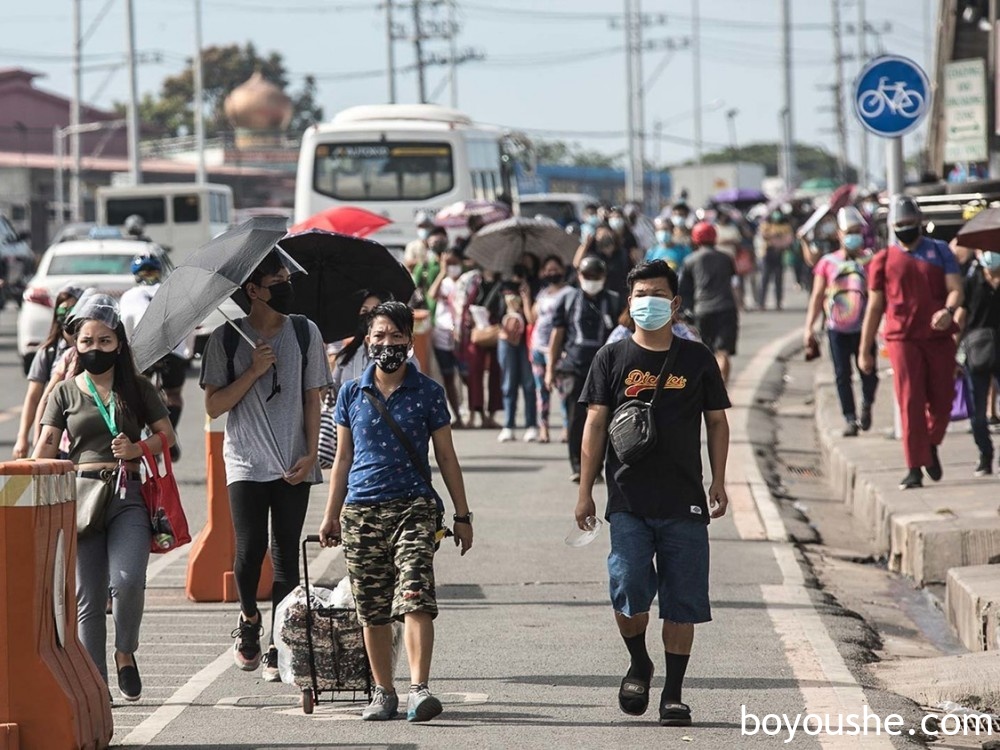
{"points": [[129, 682], [851, 429], [270, 672], [175, 453], [985, 466], [865, 423], [246, 649], [914, 478], [934, 470]]}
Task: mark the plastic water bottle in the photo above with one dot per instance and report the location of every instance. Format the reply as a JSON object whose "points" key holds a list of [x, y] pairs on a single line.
{"points": [[578, 537], [163, 533]]}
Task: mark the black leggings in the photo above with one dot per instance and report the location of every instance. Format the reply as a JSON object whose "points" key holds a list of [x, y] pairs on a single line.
{"points": [[250, 503]]}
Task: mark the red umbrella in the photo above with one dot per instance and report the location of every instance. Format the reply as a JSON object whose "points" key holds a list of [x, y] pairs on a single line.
{"points": [[356, 222], [457, 214], [841, 197]]}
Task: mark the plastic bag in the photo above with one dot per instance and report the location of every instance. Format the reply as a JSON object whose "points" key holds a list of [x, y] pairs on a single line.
{"points": [[321, 597]]}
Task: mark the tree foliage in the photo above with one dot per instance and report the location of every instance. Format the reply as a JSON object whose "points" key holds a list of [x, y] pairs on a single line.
{"points": [[223, 69], [810, 161], [572, 155]]}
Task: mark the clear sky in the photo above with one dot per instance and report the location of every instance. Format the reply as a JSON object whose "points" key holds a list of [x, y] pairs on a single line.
{"points": [[555, 66]]}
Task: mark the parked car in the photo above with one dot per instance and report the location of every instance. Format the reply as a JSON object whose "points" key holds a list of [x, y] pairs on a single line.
{"points": [[104, 264], [18, 258], [87, 230], [566, 209]]}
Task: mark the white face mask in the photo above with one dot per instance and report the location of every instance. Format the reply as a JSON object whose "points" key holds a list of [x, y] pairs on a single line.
{"points": [[454, 272], [592, 286]]}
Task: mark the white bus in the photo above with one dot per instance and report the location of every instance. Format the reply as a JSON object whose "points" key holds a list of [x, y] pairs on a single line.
{"points": [[398, 159], [180, 216]]}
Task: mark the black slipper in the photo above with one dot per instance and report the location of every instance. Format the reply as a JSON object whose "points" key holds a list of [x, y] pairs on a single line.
{"points": [[675, 715], [633, 695]]}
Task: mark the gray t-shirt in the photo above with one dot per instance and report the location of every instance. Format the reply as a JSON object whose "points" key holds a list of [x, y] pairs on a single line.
{"points": [[44, 361], [256, 427], [706, 283]]}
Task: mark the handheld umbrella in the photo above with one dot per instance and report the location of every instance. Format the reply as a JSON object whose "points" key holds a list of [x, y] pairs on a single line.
{"points": [[338, 269], [982, 231], [499, 246], [345, 220]]}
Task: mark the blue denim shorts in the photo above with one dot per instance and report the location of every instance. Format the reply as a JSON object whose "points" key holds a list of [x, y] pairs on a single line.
{"points": [[679, 577]]}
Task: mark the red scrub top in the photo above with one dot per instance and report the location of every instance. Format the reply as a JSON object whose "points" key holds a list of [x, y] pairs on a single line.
{"points": [[914, 286]]}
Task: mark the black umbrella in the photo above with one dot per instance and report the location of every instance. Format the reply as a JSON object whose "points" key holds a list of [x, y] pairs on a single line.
{"points": [[338, 269], [200, 284], [982, 231], [499, 246]]}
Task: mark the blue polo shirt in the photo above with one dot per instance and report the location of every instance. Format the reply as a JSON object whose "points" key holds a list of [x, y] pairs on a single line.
{"points": [[382, 470], [937, 253]]}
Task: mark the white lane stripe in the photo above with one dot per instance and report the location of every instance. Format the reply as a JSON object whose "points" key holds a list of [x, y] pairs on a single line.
{"points": [[811, 652], [188, 693], [183, 697]]}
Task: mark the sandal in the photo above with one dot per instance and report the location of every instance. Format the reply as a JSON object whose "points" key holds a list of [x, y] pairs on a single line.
{"points": [[633, 695], [675, 715]]}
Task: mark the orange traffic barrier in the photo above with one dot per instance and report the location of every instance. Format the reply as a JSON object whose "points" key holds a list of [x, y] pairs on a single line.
{"points": [[210, 565], [422, 339], [51, 694]]}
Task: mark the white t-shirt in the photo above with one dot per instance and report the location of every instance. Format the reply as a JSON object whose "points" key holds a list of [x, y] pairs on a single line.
{"points": [[443, 334], [132, 306]]}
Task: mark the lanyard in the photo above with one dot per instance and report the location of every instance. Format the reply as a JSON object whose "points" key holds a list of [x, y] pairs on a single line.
{"points": [[107, 412]]}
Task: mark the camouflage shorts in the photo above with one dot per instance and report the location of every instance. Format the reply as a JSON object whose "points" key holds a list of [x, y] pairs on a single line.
{"points": [[389, 548]]}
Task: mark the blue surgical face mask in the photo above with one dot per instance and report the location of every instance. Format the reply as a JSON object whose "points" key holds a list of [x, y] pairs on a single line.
{"points": [[616, 223], [651, 313], [853, 242], [662, 236]]}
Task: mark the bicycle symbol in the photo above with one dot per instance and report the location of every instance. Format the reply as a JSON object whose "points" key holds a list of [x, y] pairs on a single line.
{"points": [[896, 97]]}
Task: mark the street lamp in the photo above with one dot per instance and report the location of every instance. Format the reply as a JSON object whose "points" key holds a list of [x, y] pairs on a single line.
{"points": [[731, 121]]}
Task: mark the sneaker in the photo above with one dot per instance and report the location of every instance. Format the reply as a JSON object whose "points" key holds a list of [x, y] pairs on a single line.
{"points": [[270, 671], [129, 682], [384, 706], [934, 470], [506, 435], [985, 466], [246, 649], [914, 478], [866, 417], [575, 477], [851, 429], [531, 435], [421, 705]]}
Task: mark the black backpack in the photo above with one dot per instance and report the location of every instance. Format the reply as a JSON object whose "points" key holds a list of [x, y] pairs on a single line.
{"points": [[231, 342]]}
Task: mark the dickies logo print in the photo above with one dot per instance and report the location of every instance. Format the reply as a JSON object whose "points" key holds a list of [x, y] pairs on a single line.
{"points": [[638, 381]]}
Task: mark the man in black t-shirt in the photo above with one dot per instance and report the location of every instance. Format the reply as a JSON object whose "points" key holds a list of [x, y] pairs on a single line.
{"points": [[657, 506], [580, 326]]}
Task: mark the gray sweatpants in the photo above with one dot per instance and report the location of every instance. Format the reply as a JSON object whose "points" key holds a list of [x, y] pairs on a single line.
{"points": [[116, 558]]}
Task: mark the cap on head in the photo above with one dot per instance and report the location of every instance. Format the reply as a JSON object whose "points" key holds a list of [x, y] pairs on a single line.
{"points": [[849, 218], [905, 212], [423, 219], [703, 233], [146, 263], [593, 267], [94, 306]]}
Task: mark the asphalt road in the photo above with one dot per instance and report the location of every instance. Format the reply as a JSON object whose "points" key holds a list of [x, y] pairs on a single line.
{"points": [[527, 653]]}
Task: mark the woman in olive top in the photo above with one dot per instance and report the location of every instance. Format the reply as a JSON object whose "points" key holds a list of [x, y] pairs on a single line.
{"points": [[104, 408]]}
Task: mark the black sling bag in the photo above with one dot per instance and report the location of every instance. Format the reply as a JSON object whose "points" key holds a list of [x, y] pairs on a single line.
{"points": [[633, 426]]}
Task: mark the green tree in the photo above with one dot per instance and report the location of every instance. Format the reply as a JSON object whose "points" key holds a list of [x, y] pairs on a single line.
{"points": [[572, 154], [810, 161], [223, 68]]}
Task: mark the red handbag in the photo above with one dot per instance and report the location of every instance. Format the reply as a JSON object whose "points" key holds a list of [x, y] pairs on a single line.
{"points": [[163, 501]]}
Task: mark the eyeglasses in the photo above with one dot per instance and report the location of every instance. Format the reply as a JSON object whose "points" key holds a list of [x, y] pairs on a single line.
{"points": [[275, 388]]}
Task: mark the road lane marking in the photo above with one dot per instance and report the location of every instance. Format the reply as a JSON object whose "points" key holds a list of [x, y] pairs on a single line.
{"points": [[811, 653]]}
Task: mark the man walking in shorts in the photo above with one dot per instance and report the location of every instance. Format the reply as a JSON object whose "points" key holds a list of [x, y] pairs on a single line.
{"points": [[708, 285], [657, 506]]}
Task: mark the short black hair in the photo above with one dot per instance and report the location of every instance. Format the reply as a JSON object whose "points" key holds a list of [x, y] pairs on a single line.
{"points": [[553, 259], [436, 231], [271, 265], [655, 269], [399, 313]]}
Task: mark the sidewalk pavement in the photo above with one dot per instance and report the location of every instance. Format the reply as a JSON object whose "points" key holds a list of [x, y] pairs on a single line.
{"points": [[944, 534]]}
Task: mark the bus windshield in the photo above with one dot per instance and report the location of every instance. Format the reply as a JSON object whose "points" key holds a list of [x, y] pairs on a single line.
{"points": [[380, 171]]}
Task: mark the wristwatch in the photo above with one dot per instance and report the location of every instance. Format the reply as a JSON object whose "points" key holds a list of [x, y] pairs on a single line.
{"points": [[467, 518]]}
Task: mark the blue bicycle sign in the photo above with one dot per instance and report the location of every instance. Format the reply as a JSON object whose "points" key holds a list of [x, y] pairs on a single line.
{"points": [[891, 96]]}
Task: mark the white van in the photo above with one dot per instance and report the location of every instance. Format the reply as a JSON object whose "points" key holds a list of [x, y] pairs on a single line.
{"points": [[179, 216]]}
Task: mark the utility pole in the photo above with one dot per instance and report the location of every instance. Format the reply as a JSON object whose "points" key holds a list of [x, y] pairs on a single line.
{"points": [[418, 49], [135, 169], [199, 97], [635, 168], [630, 93], [731, 121], [453, 49], [838, 92], [788, 130], [696, 65], [390, 39], [74, 123], [862, 31]]}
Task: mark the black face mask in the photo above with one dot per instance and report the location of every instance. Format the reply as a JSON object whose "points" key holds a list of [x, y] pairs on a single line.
{"points": [[388, 357], [908, 235], [552, 278], [97, 362], [282, 296]]}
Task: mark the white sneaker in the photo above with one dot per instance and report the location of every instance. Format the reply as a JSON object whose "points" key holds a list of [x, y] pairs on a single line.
{"points": [[531, 435], [506, 435]]}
